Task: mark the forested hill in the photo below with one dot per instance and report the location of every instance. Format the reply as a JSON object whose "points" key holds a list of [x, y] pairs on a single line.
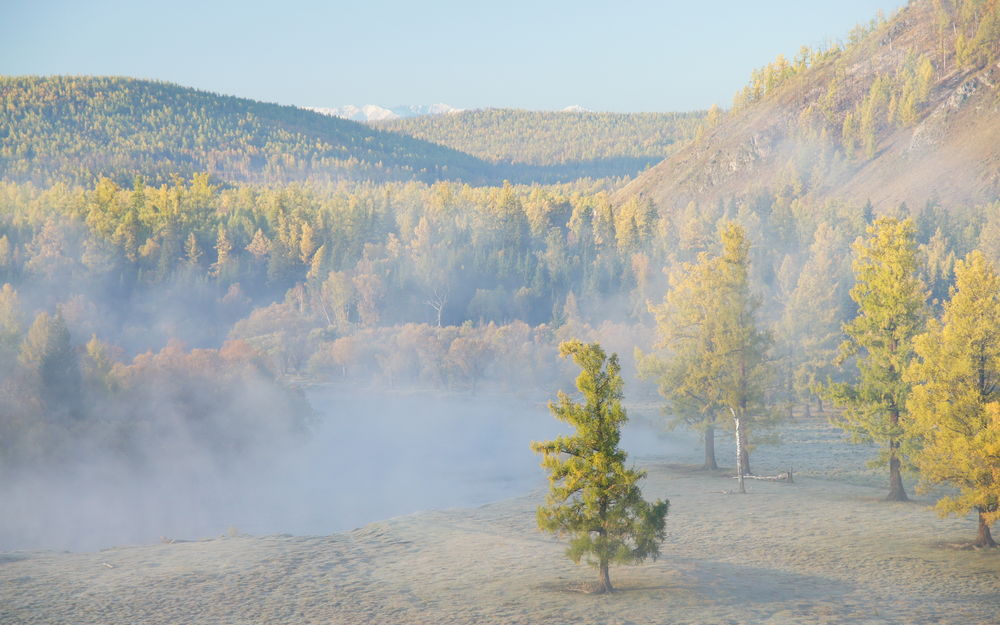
{"points": [[76, 129], [557, 145], [907, 110]]}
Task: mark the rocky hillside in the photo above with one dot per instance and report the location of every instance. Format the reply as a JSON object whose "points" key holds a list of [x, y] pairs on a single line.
{"points": [[907, 110]]}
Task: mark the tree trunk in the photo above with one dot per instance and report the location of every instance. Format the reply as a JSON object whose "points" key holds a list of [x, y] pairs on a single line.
{"points": [[604, 584], [985, 538], [744, 452], [710, 464], [896, 490], [739, 453]]}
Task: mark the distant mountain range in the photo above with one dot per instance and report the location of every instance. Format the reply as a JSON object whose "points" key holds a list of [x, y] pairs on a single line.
{"points": [[378, 113], [375, 112]]}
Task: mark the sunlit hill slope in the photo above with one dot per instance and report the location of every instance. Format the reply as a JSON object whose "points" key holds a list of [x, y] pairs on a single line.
{"points": [[557, 145], [76, 129], [908, 110]]}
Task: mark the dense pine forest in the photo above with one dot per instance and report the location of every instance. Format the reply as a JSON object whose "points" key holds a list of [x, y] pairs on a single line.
{"points": [[559, 145], [78, 129], [443, 285]]}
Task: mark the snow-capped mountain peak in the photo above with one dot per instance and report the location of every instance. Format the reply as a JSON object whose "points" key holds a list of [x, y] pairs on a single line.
{"points": [[375, 112]]}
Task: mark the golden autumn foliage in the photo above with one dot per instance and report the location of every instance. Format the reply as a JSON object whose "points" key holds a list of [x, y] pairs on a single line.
{"points": [[955, 404]]}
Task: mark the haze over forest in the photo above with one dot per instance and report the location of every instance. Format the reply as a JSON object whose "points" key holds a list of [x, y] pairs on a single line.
{"points": [[220, 315]]}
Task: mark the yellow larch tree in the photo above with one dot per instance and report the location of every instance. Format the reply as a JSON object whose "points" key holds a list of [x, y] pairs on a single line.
{"points": [[955, 402]]}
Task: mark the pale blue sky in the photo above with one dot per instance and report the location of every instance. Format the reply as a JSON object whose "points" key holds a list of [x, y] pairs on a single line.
{"points": [[536, 54]]}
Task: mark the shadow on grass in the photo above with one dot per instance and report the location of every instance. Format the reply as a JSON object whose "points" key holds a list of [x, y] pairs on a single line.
{"points": [[11, 557], [719, 583], [730, 584]]}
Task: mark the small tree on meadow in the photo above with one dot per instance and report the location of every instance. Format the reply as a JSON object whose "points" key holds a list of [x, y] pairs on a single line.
{"points": [[594, 499]]}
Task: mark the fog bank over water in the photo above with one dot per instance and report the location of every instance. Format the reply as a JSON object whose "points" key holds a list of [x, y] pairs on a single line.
{"points": [[369, 456]]}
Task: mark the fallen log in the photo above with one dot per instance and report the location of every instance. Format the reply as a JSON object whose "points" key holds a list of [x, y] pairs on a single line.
{"points": [[781, 477]]}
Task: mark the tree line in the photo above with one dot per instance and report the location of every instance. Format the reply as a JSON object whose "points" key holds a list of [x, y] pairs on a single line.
{"points": [[327, 262], [76, 130]]}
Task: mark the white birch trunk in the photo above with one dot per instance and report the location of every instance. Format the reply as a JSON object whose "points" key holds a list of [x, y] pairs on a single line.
{"points": [[739, 450]]}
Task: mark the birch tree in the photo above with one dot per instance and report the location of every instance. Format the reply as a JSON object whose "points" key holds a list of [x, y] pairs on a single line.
{"points": [[716, 357]]}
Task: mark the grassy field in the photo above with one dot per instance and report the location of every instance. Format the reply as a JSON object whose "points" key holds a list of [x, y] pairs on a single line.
{"points": [[823, 550]]}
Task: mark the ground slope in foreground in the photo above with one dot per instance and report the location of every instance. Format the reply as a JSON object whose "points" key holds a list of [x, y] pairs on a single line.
{"points": [[816, 551]]}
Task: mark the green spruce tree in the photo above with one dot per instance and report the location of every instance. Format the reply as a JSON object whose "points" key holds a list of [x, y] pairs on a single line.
{"points": [[594, 499], [50, 360]]}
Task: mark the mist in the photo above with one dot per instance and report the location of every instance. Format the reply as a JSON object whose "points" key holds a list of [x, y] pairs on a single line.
{"points": [[367, 455]]}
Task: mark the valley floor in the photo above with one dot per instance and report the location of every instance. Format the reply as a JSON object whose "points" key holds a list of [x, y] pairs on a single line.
{"points": [[816, 551]]}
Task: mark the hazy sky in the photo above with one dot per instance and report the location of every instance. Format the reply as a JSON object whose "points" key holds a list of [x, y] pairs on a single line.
{"points": [[536, 54]]}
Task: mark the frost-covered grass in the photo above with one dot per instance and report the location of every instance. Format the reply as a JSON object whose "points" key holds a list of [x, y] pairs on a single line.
{"points": [[824, 550]]}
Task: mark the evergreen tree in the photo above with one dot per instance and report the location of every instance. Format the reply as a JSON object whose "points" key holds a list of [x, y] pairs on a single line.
{"points": [[593, 498], [810, 327], [223, 249], [191, 250], [49, 357], [11, 327], [891, 304], [683, 374], [938, 265], [307, 243], [98, 364], [260, 246], [955, 404]]}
